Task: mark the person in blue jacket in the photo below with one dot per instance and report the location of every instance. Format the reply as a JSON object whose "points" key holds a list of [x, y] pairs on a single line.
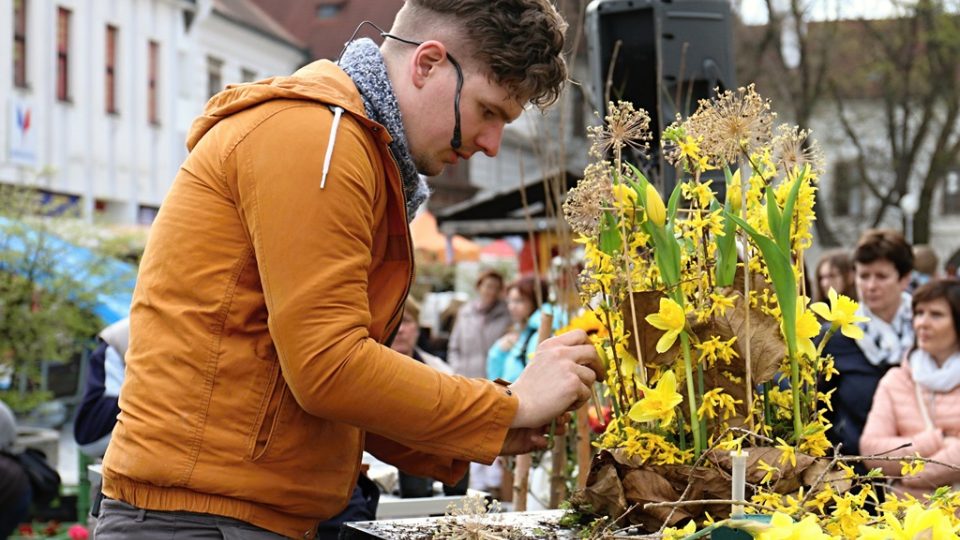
{"points": [[98, 409], [510, 354], [883, 262]]}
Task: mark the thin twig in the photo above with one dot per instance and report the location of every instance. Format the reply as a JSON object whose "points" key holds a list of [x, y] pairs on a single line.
{"points": [[814, 487], [623, 515], [609, 81]]}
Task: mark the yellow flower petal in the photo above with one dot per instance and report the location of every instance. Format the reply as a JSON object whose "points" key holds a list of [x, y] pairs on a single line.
{"points": [[656, 211]]}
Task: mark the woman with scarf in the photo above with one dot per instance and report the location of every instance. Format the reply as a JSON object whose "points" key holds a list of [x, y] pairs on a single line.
{"points": [[882, 264], [509, 355], [916, 409]]}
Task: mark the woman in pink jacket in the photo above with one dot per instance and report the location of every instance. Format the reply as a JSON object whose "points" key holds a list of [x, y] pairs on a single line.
{"points": [[917, 405]]}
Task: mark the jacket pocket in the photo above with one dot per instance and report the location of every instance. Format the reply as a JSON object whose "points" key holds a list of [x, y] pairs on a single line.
{"points": [[269, 414]]}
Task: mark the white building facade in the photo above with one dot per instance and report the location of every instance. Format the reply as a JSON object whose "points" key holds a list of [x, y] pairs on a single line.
{"points": [[102, 93]]}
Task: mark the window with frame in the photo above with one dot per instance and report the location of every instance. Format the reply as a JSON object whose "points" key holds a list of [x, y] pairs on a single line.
{"points": [[63, 54], [20, 43], [214, 75], [847, 190], [329, 10], [110, 75], [153, 69], [951, 191], [247, 75]]}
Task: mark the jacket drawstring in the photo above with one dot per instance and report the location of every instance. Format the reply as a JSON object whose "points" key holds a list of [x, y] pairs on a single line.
{"points": [[337, 112]]}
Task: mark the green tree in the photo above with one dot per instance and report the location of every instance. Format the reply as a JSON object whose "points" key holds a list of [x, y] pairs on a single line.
{"points": [[911, 66], [46, 300], [790, 60], [893, 86]]}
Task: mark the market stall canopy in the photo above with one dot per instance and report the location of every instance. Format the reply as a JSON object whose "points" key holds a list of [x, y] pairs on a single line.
{"points": [[110, 280], [427, 239], [499, 249], [502, 213]]}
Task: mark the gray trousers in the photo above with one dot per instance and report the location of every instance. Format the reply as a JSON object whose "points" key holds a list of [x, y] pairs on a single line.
{"points": [[120, 521]]}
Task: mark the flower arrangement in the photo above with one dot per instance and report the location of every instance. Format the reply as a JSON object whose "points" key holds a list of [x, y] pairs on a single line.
{"points": [[707, 331]]}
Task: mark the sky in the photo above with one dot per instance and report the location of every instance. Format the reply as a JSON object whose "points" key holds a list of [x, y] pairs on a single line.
{"points": [[755, 11]]}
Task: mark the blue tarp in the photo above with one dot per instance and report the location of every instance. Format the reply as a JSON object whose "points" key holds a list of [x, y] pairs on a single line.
{"points": [[112, 282]]}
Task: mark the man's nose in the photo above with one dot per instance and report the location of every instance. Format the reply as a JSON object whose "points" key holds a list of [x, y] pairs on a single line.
{"points": [[489, 140]]}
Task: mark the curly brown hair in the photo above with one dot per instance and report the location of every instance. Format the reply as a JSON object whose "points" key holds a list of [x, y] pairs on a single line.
{"points": [[518, 42]]}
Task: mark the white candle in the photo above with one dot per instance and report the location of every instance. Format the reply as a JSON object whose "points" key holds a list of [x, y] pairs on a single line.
{"points": [[739, 480]]}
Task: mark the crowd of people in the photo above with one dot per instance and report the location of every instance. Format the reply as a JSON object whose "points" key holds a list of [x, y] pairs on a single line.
{"points": [[898, 387], [270, 344]]}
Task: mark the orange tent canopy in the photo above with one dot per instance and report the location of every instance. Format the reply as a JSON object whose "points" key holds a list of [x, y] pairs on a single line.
{"points": [[427, 239]]}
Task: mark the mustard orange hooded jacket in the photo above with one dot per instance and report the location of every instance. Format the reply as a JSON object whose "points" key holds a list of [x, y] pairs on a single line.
{"points": [[257, 373]]}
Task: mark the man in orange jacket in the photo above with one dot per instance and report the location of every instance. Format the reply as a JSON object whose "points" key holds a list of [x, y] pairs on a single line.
{"points": [[276, 272]]}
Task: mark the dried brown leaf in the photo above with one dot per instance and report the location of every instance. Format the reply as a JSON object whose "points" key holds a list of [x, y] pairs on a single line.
{"points": [[767, 347], [790, 476], [604, 490]]}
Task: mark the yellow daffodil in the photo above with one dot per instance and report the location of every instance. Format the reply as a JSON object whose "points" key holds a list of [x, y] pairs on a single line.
{"points": [[807, 329], [656, 211], [842, 314], [671, 320], [658, 403], [734, 193], [624, 197]]}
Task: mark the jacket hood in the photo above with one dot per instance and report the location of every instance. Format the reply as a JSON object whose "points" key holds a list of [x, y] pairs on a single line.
{"points": [[321, 81]]}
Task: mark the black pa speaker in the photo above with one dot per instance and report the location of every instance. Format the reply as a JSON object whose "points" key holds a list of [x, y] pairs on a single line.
{"points": [[661, 55]]}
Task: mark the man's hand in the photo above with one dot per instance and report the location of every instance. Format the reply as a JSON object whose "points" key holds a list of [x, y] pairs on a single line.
{"points": [[559, 378], [526, 440]]}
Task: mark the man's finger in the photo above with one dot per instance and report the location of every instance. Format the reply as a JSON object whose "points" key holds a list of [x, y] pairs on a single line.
{"points": [[587, 375], [583, 354], [586, 355], [583, 395], [573, 337]]}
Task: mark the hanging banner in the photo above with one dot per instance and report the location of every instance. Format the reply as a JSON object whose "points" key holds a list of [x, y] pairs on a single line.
{"points": [[22, 133]]}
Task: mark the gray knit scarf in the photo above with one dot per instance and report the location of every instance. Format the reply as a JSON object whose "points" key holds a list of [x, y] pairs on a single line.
{"points": [[363, 62]]}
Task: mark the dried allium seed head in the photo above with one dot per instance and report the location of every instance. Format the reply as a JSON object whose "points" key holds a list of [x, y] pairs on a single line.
{"points": [[623, 126], [793, 148], [472, 519], [733, 124], [584, 203]]}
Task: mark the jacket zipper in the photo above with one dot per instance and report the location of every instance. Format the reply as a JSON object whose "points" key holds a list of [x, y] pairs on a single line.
{"points": [[399, 309]]}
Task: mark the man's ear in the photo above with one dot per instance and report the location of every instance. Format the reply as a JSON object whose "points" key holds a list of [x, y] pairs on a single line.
{"points": [[426, 61]]}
